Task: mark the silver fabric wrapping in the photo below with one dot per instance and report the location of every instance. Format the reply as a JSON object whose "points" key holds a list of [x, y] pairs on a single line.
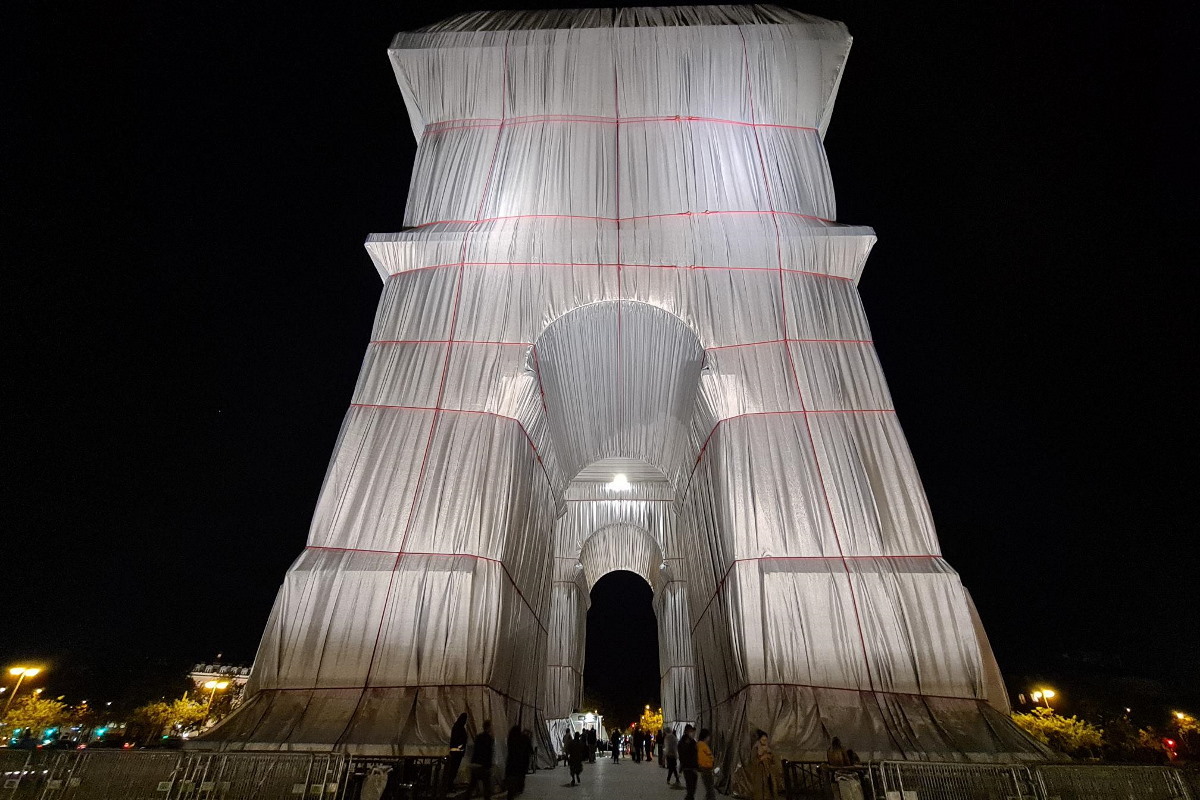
{"points": [[620, 243]]}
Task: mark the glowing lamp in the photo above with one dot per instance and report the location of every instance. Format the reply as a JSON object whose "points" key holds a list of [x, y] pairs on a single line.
{"points": [[619, 483]]}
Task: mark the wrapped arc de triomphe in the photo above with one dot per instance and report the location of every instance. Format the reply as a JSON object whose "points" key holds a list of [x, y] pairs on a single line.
{"points": [[619, 257]]}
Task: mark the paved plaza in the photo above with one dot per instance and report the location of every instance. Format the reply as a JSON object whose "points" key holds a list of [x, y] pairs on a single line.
{"points": [[603, 780]]}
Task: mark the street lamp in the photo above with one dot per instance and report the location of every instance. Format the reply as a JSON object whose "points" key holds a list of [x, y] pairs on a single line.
{"points": [[215, 686], [21, 674], [1044, 695]]}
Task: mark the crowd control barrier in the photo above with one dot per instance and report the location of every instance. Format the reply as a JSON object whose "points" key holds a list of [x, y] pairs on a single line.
{"points": [[189, 775], [917, 780]]}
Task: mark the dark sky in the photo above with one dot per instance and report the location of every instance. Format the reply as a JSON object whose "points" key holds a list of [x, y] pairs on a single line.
{"points": [[186, 187], [621, 666]]}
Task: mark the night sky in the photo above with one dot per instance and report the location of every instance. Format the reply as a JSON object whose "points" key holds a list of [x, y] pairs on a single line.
{"points": [[186, 302]]}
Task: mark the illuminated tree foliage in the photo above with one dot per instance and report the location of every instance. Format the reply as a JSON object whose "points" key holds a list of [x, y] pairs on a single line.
{"points": [[34, 715], [1070, 735], [651, 720], [166, 719]]}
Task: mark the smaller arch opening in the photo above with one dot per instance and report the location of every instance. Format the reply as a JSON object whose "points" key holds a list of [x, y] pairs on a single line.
{"points": [[621, 666]]}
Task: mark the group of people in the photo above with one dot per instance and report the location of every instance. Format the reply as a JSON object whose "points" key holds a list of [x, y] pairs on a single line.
{"points": [[641, 744], [516, 764], [690, 755]]}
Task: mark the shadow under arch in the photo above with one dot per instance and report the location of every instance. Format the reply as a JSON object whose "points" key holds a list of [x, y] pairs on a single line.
{"points": [[620, 380]]}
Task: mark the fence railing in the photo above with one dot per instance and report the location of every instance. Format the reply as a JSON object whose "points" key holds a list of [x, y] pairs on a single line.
{"points": [[1083, 782], [185, 775], [182, 775], [917, 780]]}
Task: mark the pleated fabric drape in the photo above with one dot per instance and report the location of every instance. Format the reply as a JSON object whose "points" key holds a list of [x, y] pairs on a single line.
{"points": [[620, 243]]}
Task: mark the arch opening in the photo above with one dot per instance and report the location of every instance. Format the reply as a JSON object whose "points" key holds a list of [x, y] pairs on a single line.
{"points": [[620, 380], [621, 668]]}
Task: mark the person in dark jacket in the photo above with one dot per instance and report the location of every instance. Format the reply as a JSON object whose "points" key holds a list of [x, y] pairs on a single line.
{"points": [[520, 748], [635, 744], [458, 748], [615, 740], [689, 761], [576, 753], [481, 762]]}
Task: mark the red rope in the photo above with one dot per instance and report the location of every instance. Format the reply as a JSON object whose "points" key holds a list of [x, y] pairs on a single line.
{"points": [[792, 366], [414, 686], [441, 394], [848, 689], [445, 125], [401, 553], [614, 265], [589, 218], [443, 410]]}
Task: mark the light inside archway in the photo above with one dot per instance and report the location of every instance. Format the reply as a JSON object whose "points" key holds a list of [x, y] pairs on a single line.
{"points": [[620, 484]]}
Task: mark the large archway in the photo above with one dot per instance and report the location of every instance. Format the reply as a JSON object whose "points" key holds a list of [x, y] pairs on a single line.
{"points": [[621, 657], [547, 310]]}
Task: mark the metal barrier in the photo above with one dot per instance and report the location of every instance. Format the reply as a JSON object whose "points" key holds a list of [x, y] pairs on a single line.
{"points": [[810, 780], [172, 775], [23, 773], [917, 780], [230, 776], [1088, 781], [411, 777], [804, 779], [1191, 779], [112, 775], [175, 775]]}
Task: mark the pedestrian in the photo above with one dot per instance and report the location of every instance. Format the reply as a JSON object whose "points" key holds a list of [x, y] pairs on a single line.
{"points": [[835, 756], [517, 762], [481, 762], [635, 744], [704, 763], [590, 741], [689, 761], [566, 747], [615, 739], [532, 766], [576, 753], [648, 743], [764, 784], [458, 749], [658, 744], [671, 753]]}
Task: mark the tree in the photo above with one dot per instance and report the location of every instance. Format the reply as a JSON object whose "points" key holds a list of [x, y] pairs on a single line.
{"points": [[35, 715], [1070, 735], [651, 720], [166, 719]]}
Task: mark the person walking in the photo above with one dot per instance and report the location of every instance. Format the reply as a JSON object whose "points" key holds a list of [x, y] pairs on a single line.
{"points": [[635, 744], [763, 767], [590, 741], [689, 761], [671, 754], [615, 740], [566, 747], [704, 764], [458, 749], [648, 742], [481, 762], [576, 753], [516, 764]]}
